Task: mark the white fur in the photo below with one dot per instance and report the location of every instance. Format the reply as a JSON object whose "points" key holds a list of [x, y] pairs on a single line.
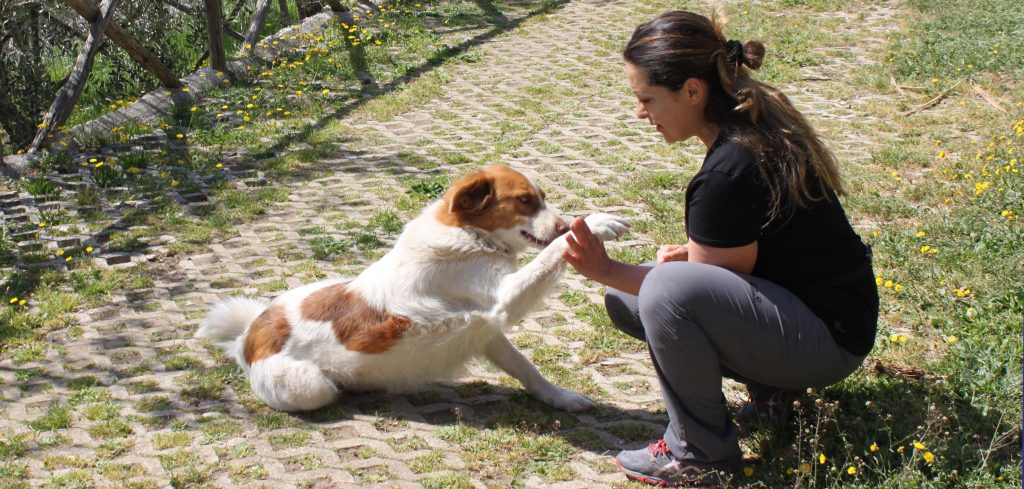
{"points": [[459, 287]]}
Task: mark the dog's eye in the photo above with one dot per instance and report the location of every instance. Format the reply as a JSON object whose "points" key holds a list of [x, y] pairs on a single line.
{"points": [[524, 199]]}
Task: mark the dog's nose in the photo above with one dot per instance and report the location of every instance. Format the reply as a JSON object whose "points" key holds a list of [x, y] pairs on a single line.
{"points": [[561, 227]]}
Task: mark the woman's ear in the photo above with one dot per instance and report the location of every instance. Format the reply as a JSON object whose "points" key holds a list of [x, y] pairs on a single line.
{"points": [[695, 90]]}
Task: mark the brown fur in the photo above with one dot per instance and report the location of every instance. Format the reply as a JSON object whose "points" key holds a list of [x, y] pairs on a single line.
{"points": [[490, 198], [356, 324], [267, 335]]}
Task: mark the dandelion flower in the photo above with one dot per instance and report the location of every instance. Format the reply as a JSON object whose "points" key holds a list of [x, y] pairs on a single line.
{"points": [[748, 471], [822, 459], [14, 299], [179, 135], [851, 470], [918, 445], [951, 340], [929, 457], [88, 249], [873, 447], [805, 468]]}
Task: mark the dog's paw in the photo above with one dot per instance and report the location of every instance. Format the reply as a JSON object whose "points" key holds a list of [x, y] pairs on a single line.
{"points": [[607, 227], [568, 400]]}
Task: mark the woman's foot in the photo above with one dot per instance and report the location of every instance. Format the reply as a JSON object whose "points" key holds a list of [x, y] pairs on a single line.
{"points": [[655, 465], [766, 406]]}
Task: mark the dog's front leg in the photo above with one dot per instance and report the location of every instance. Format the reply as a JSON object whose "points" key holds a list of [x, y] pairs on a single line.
{"points": [[505, 356], [522, 290]]}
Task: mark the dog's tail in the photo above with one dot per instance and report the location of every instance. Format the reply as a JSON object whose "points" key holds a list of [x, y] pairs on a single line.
{"points": [[227, 321]]}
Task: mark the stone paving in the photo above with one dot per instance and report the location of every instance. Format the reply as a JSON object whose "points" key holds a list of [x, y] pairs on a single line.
{"points": [[547, 97]]}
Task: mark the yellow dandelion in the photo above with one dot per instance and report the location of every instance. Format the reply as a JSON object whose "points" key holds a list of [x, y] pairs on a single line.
{"points": [[68, 259], [220, 165], [60, 252], [921, 234], [918, 445], [929, 457], [42, 224], [21, 302], [748, 471], [822, 459], [179, 135], [851, 470], [951, 340], [14, 299], [325, 91], [873, 448], [88, 249]]}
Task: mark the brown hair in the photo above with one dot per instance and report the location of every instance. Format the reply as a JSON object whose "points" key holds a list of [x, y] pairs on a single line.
{"points": [[796, 164]]}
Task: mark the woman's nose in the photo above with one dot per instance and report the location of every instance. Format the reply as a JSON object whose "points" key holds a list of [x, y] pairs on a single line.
{"points": [[641, 112]]}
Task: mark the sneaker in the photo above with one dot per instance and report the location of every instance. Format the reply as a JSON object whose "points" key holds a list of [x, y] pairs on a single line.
{"points": [[656, 466], [771, 407]]}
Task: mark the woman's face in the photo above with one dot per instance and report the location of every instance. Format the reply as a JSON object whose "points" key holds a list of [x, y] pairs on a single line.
{"points": [[677, 115]]}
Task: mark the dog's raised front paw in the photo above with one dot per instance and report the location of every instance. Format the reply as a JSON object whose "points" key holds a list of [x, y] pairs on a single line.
{"points": [[607, 227], [567, 400]]}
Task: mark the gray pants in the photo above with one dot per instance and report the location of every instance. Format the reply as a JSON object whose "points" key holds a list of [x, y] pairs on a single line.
{"points": [[702, 323]]}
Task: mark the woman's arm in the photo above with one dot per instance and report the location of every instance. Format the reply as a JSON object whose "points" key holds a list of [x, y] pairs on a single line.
{"points": [[739, 259]]}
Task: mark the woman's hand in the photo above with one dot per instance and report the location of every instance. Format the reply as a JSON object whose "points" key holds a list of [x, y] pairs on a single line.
{"points": [[672, 252], [586, 253]]}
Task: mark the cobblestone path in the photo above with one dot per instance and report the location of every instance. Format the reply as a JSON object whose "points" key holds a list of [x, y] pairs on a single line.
{"points": [[545, 95]]}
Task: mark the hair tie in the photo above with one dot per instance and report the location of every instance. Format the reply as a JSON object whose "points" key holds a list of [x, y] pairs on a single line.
{"points": [[734, 53]]}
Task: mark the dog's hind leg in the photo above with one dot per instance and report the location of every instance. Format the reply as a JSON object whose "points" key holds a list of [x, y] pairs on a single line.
{"points": [[505, 356], [287, 384]]}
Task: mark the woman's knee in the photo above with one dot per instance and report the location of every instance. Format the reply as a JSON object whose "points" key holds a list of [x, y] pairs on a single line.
{"points": [[623, 312], [673, 293]]}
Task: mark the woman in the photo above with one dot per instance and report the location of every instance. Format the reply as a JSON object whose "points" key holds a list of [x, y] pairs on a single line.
{"points": [[773, 288]]}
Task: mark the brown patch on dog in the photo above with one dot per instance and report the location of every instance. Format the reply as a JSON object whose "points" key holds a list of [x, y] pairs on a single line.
{"points": [[356, 324], [267, 335], [490, 198]]}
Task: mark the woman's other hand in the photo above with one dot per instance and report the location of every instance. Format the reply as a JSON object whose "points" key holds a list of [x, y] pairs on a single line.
{"points": [[672, 252]]}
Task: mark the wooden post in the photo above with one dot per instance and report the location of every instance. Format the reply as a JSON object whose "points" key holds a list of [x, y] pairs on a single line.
{"points": [[138, 52], [307, 8], [215, 33], [262, 7], [336, 6], [69, 93], [286, 18]]}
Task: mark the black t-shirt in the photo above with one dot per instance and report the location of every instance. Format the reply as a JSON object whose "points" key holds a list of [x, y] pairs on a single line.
{"points": [[813, 251]]}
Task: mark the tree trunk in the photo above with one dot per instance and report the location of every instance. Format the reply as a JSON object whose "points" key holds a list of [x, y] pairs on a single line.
{"points": [[214, 29], [262, 6], [68, 96], [122, 38]]}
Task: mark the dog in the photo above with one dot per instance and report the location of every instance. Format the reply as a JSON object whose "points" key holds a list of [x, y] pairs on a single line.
{"points": [[441, 296]]}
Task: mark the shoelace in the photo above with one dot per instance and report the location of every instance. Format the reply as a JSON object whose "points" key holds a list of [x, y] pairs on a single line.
{"points": [[658, 448]]}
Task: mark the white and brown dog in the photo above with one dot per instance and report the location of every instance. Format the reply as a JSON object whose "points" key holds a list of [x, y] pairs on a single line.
{"points": [[443, 295]]}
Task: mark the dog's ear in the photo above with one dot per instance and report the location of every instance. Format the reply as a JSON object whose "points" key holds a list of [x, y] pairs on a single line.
{"points": [[472, 195]]}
